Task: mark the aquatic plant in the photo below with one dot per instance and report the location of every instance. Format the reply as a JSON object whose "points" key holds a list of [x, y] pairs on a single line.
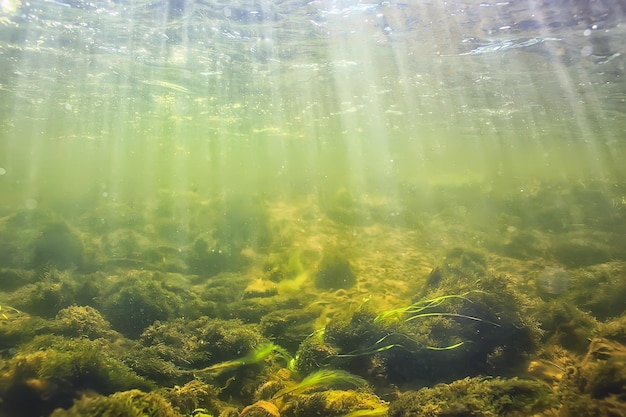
{"points": [[380, 346], [126, 403], [478, 397], [8, 312], [257, 355], [335, 402], [50, 371], [138, 300], [57, 246], [416, 310], [323, 377], [195, 398], [334, 271]]}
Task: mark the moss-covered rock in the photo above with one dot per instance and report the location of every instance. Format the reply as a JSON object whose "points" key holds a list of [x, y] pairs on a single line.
{"points": [[344, 208], [51, 371], [288, 327], [334, 272], [201, 342], [83, 321], [192, 396], [566, 325], [468, 322], [597, 386], [313, 354], [207, 258], [475, 397], [53, 291], [131, 403], [334, 403], [138, 300], [243, 222], [12, 279], [600, 290], [580, 250], [57, 246]]}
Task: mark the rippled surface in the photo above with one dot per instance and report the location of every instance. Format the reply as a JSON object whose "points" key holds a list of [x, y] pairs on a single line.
{"points": [[297, 92]]}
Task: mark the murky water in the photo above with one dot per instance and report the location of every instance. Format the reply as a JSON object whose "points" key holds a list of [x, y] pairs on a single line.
{"points": [[234, 148], [149, 95]]}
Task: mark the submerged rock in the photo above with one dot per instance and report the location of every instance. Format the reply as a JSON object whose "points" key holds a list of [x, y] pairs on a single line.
{"points": [[57, 246], [596, 387], [552, 282]]}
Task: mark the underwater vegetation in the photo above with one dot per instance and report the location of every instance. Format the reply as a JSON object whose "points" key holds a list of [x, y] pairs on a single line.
{"points": [[475, 397], [256, 355], [334, 272], [480, 328], [595, 386], [322, 377], [46, 373], [58, 247], [223, 318], [123, 404]]}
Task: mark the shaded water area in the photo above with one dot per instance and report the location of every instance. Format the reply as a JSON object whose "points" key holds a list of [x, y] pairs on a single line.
{"points": [[312, 208]]}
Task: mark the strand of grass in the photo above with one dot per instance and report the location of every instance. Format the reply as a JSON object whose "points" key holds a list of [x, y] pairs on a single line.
{"points": [[366, 352], [12, 311], [422, 305], [454, 346], [374, 350], [257, 355], [435, 302], [418, 316], [323, 377]]}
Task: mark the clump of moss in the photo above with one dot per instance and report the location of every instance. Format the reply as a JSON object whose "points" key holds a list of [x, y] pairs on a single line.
{"points": [[288, 327], [84, 321], [131, 403], [54, 291], [137, 301], [12, 279], [596, 387], [148, 364], [57, 246], [334, 272], [201, 342], [614, 330], [261, 409], [208, 258], [464, 263], [17, 327], [600, 290], [243, 222], [51, 371], [125, 247], [313, 354], [502, 331], [343, 207], [566, 325], [576, 250], [192, 396], [467, 322], [335, 403], [476, 397]]}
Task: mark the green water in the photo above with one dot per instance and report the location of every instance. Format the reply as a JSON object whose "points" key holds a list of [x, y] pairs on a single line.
{"points": [[275, 132], [367, 97]]}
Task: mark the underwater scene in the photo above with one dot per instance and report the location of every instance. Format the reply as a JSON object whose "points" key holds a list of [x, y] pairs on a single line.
{"points": [[300, 208]]}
